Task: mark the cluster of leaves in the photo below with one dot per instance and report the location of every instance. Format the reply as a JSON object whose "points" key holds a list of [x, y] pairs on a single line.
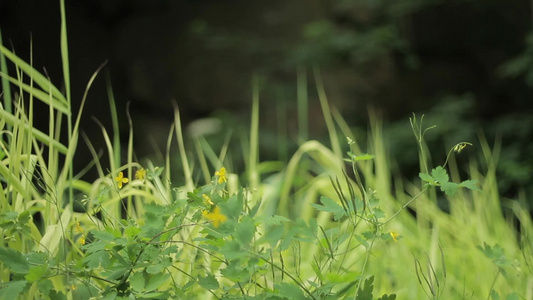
{"points": [[215, 242], [439, 177], [210, 241]]}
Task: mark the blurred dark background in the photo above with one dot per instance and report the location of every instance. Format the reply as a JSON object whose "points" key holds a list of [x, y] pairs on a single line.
{"points": [[468, 65]]}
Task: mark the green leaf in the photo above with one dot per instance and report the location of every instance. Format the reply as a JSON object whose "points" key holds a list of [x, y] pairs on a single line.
{"points": [[115, 273], [356, 158], [366, 292], [387, 297], [449, 188], [245, 231], [470, 184], [36, 272], [235, 272], [45, 286], [234, 206], [494, 295], [155, 268], [364, 156], [95, 259], [24, 217], [512, 296], [255, 209], [137, 282], [496, 254], [209, 282], [317, 270], [440, 175], [12, 289], [427, 178], [363, 241], [57, 295], [95, 246], [132, 231], [330, 206], [273, 219], [273, 235], [290, 291], [14, 260], [102, 235], [37, 257], [231, 250]]}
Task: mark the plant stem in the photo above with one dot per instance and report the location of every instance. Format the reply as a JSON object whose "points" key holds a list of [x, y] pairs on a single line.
{"points": [[493, 283]]}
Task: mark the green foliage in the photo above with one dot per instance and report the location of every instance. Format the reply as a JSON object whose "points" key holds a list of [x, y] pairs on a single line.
{"points": [[14, 260], [439, 177], [330, 206]]}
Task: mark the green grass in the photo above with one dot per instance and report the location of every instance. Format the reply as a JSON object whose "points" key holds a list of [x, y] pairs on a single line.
{"points": [[316, 227]]}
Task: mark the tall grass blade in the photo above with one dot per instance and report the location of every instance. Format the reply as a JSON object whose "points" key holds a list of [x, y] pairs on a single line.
{"points": [[302, 99], [324, 104], [253, 176], [37, 134], [184, 160], [6, 88], [114, 121]]}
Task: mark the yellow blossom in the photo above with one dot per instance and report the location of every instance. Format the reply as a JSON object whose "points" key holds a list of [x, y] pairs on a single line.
{"points": [[459, 147], [222, 177], [140, 174], [216, 217], [207, 200], [82, 240], [78, 228], [120, 179], [395, 235]]}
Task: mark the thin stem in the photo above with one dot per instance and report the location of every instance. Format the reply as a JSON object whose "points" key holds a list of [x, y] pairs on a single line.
{"points": [[289, 275], [405, 205], [493, 283], [365, 263]]}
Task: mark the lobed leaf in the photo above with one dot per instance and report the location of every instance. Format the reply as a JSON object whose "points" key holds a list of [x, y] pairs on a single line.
{"points": [[208, 282], [449, 188], [470, 184], [440, 175], [12, 289], [328, 205], [289, 291], [14, 260]]}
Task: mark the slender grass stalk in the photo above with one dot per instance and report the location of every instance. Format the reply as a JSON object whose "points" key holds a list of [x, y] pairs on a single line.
{"points": [[282, 137], [253, 176], [6, 87], [114, 121], [303, 104], [184, 160], [324, 104], [129, 155], [201, 158]]}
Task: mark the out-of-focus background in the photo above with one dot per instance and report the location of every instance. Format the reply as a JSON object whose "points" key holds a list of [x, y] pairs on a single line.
{"points": [[468, 65]]}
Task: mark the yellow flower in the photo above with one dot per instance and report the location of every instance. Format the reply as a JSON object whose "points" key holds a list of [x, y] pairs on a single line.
{"points": [[140, 174], [120, 179], [78, 228], [216, 217], [207, 200], [222, 177], [459, 147], [395, 235], [82, 240]]}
